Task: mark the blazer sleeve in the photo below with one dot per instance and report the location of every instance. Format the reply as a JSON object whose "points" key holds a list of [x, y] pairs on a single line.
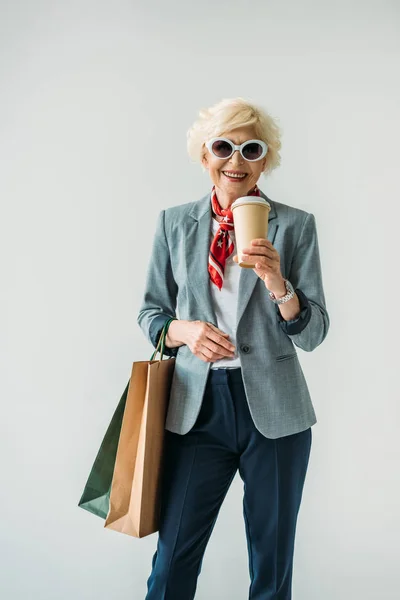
{"points": [[159, 299], [310, 328], [299, 323]]}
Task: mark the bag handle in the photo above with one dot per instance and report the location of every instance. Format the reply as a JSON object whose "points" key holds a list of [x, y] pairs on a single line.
{"points": [[161, 339]]}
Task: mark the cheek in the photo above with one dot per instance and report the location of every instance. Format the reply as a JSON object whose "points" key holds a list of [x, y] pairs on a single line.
{"points": [[256, 173], [217, 169]]}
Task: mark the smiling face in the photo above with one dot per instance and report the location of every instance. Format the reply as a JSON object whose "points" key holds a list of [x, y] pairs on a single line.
{"points": [[228, 188]]}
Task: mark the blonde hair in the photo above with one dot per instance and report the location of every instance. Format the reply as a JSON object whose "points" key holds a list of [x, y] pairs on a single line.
{"points": [[229, 114]]}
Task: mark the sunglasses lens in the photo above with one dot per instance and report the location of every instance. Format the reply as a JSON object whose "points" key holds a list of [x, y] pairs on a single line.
{"points": [[252, 151], [221, 149]]}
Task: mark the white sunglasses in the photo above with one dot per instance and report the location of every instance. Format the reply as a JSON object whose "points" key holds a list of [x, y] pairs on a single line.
{"points": [[251, 150]]}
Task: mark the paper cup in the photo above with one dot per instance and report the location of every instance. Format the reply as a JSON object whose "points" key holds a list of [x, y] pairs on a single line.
{"points": [[250, 218]]}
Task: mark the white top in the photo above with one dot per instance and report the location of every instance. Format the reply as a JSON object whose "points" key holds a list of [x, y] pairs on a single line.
{"points": [[225, 301]]}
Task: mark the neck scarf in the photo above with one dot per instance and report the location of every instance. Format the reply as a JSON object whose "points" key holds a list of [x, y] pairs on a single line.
{"points": [[222, 245]]}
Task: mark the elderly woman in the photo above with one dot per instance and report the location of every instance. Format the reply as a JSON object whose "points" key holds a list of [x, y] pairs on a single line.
{"points": [[239, 399]]}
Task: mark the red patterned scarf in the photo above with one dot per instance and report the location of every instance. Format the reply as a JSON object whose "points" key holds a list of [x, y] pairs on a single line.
{"points": [[222, 245]]}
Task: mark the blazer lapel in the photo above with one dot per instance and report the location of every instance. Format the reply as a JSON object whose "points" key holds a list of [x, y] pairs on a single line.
{"points": [[197, 240]]}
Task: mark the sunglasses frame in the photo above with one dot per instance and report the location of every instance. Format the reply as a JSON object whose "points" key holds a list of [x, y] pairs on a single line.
{"points": [[235, 147]]}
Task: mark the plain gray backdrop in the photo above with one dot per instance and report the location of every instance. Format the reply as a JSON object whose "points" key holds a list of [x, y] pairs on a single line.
{"points": [[95, 101]]}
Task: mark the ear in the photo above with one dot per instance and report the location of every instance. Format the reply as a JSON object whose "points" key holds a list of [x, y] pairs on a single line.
{"points": [[204, 161]]}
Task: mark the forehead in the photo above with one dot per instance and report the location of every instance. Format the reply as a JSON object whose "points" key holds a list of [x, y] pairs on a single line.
{"points": [[240, 135]]}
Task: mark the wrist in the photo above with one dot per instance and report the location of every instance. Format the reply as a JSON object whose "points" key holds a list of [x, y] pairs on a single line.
{"points": [[176, 333], [280, 290]]}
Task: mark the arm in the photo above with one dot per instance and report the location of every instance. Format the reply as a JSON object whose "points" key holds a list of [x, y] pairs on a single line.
{"points": [[311, 326], [159, 301]]}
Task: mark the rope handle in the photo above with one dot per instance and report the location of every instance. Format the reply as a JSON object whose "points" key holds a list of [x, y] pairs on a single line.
{"points": [[161, 340]]}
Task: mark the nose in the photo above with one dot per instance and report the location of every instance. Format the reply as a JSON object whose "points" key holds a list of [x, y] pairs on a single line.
{"points": [[237, 157]]}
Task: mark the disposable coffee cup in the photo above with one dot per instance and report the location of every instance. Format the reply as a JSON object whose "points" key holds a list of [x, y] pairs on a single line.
{"points": [[250, 219]]}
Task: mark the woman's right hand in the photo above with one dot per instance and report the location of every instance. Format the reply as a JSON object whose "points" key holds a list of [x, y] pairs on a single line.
{"points": [[205, 341]]}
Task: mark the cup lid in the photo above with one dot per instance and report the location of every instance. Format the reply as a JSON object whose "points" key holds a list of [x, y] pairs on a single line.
{"points": [[250, 200]]}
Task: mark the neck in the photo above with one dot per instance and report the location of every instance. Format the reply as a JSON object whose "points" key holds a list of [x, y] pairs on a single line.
{"points": [[226, 200]]}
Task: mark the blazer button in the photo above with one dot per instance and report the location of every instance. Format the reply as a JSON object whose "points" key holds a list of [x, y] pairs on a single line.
{"points": [[245, 348]]}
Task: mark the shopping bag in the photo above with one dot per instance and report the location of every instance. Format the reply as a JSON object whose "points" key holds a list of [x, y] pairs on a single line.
{"points": [[96, 494], [135, 489], [97, 491]]}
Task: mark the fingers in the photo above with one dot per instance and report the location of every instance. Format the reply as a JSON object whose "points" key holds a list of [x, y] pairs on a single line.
{"points": [[211, 355], [259, 260], [216, 344], [261, 242], [218, 350], [216, 329], [208, 342], [219, 339], [260, 251]]}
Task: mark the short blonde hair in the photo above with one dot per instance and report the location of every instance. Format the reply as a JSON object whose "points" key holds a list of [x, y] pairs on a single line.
{"points": [[229, 114]]}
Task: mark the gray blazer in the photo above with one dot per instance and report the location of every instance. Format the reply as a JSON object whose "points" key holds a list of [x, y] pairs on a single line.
{"points": [[177, 285]]}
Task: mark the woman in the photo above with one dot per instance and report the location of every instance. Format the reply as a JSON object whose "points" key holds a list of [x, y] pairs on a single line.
{"points": [[239, 399]]}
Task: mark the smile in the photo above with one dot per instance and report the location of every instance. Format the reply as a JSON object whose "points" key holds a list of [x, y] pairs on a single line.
{"points": [[234, 175]]}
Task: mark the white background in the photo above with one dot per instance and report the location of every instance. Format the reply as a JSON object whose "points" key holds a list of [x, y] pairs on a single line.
{"points": [[95, 101]]}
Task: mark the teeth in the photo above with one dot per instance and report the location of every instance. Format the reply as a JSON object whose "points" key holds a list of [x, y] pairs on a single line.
{"points": [[234, 175]]}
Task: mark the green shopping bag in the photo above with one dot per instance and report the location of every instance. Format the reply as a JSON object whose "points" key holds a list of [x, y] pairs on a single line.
{"points": [[96, 494]]}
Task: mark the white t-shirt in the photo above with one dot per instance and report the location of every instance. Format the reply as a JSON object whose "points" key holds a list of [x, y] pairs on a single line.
{"points": [[225, 300]]}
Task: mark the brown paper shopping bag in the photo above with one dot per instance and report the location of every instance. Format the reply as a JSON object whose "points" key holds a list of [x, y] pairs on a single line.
{"points": [[135, 488]]}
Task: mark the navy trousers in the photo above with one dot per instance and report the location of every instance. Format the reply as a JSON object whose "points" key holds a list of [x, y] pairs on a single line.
{"points": [[198, 470]]}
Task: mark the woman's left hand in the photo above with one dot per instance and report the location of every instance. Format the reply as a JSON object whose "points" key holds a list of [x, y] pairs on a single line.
{"points": [[268, 264]]}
